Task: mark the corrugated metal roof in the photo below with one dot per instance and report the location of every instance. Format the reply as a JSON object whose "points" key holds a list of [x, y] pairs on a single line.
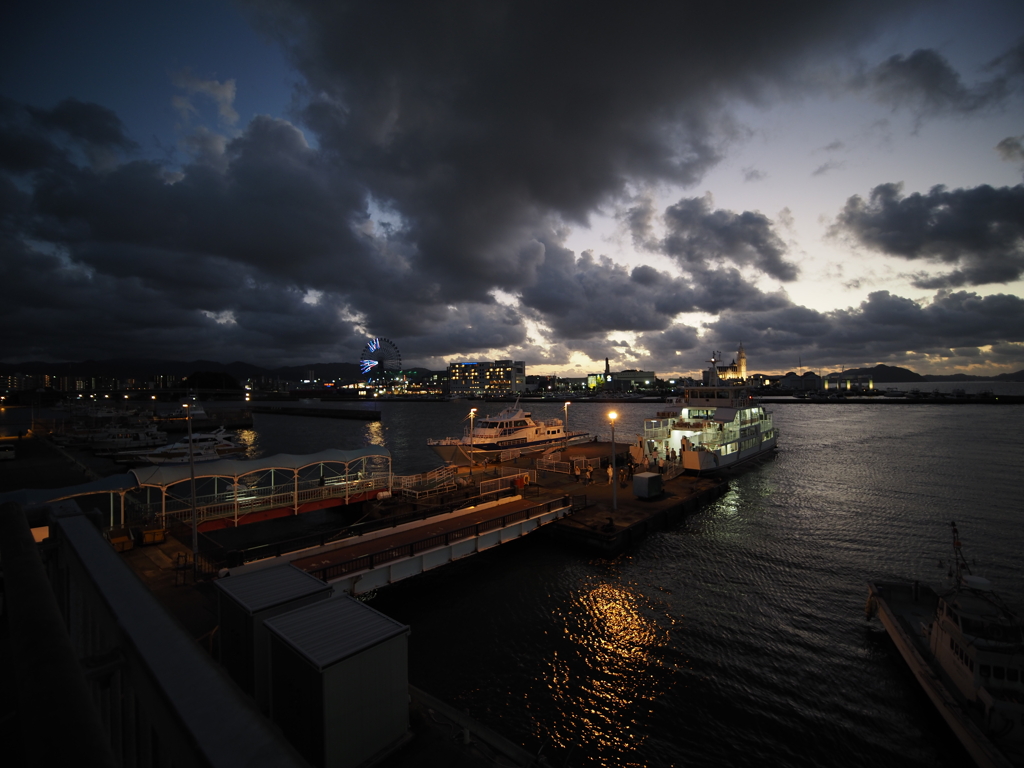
{"points": [[332, 630], [260, 590]]}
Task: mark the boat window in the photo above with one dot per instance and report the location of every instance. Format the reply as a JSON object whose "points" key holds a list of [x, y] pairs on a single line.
{"points": [[519, 424], [998, 673], [986, 671], [972, 626], [1012, 675]]}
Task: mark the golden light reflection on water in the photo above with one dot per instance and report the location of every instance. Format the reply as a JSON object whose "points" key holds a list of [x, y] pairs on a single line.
{"points": [[374, 433], [250, 439], [609, 673]]}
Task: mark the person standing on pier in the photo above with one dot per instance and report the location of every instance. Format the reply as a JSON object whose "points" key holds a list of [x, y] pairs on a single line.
{"points": [[576, 472], [610, 475]]}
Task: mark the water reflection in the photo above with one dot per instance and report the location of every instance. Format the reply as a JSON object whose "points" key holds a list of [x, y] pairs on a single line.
{"points": [[605, 671], [374, 434], [250, 439]]}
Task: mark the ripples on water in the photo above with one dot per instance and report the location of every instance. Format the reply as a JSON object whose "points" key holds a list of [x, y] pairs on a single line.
{"points": [[738, 637]]}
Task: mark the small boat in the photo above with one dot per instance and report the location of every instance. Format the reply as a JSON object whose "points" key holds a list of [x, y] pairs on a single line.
{"points": [[205, 446], [966, 649], [715, 427], [511, 429]]}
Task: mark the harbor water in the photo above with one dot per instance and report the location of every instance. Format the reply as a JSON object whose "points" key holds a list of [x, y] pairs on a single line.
{"points": [[737, 637]]}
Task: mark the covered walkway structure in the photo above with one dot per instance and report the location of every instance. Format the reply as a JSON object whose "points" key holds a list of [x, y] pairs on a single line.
{"points": [[232, 492]]}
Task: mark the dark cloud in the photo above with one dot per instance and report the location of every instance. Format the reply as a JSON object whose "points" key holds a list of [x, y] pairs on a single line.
{"points": [[581, 298], [927, 85], [91, 124], [980, 230], [484, 132], [697, 235], [486, 127], [960, 327], [1011, 149]]}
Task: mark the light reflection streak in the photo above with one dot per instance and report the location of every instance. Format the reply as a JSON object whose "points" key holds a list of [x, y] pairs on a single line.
{"points": [[250, 439], [608, 673], [374, 434]]}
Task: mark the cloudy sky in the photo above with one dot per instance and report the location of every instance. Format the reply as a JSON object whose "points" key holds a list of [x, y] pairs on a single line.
{"points": [[831, 184]]}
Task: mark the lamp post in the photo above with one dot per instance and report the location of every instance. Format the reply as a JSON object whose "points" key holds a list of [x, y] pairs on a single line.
{"points": [[565, 425], [472, 415], [615, 502], [195, 513]]}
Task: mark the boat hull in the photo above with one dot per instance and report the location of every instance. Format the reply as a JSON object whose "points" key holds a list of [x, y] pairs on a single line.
{"points": [[462, 454], [905, 619], [709, 462]]}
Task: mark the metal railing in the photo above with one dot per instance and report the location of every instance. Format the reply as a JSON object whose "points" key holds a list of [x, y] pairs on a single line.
{"points": [[366, 562], [426, 493], [242, 502]]}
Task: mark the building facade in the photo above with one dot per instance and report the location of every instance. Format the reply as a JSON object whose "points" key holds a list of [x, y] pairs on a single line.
{"points": [[500, 377]]}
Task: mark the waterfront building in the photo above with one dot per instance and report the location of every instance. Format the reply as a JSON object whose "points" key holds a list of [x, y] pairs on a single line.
{"points": [[735, 371], [500, 377], [808, 381]]}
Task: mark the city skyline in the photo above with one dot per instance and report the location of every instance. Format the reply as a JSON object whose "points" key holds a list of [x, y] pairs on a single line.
{"points": [[277, 182]]}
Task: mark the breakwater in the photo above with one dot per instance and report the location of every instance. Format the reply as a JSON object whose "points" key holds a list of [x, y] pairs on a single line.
{"points": [[362, 414]]}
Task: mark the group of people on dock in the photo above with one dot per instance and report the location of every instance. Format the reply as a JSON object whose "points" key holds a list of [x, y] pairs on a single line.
{"points": [[653, 463], [585, 474]]}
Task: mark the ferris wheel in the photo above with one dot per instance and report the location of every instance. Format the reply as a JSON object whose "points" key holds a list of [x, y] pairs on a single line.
{"points": [[380, 357]]}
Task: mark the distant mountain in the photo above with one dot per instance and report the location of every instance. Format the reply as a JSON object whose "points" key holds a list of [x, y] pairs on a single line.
{"points": [[886, 374]]}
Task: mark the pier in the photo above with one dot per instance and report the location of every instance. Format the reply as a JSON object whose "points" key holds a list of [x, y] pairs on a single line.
{"points": [[419, 523]]}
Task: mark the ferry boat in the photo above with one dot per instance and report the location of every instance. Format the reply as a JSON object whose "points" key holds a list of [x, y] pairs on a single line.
{"points": [[511, 429], [716, 427], [966, 649]]}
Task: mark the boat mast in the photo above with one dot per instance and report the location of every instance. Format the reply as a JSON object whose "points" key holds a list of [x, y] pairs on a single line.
{"points": [[960, 565]]}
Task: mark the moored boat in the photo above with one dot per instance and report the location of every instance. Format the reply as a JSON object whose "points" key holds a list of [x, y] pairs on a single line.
{"points": [[966, 649], [511, 429], [205, 446], [715, 427]]}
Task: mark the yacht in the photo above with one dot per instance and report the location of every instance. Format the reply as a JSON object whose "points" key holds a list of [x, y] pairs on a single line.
{"points": [[966, 649], [511, 429], [714, 427], [205, 446]]}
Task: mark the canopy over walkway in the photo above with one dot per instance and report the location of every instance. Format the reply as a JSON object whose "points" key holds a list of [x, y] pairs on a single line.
{"points": [[232, 489]]}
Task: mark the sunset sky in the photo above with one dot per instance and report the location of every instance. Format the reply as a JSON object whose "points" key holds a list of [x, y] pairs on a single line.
{"points": [[831, 184]]}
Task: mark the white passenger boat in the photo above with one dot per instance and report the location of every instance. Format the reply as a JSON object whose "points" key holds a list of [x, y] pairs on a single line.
{"points": [[127, 438], [715, 427], [205, 446], [966, 649], [511, 429]]}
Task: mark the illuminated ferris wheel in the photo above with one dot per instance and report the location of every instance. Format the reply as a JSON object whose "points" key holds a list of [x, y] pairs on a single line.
{"points": [[380, 358]]}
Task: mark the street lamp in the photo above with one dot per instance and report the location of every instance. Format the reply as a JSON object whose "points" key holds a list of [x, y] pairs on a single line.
{"points": [[472, 415], [565, 425], [195, 512], [615, 502]]}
